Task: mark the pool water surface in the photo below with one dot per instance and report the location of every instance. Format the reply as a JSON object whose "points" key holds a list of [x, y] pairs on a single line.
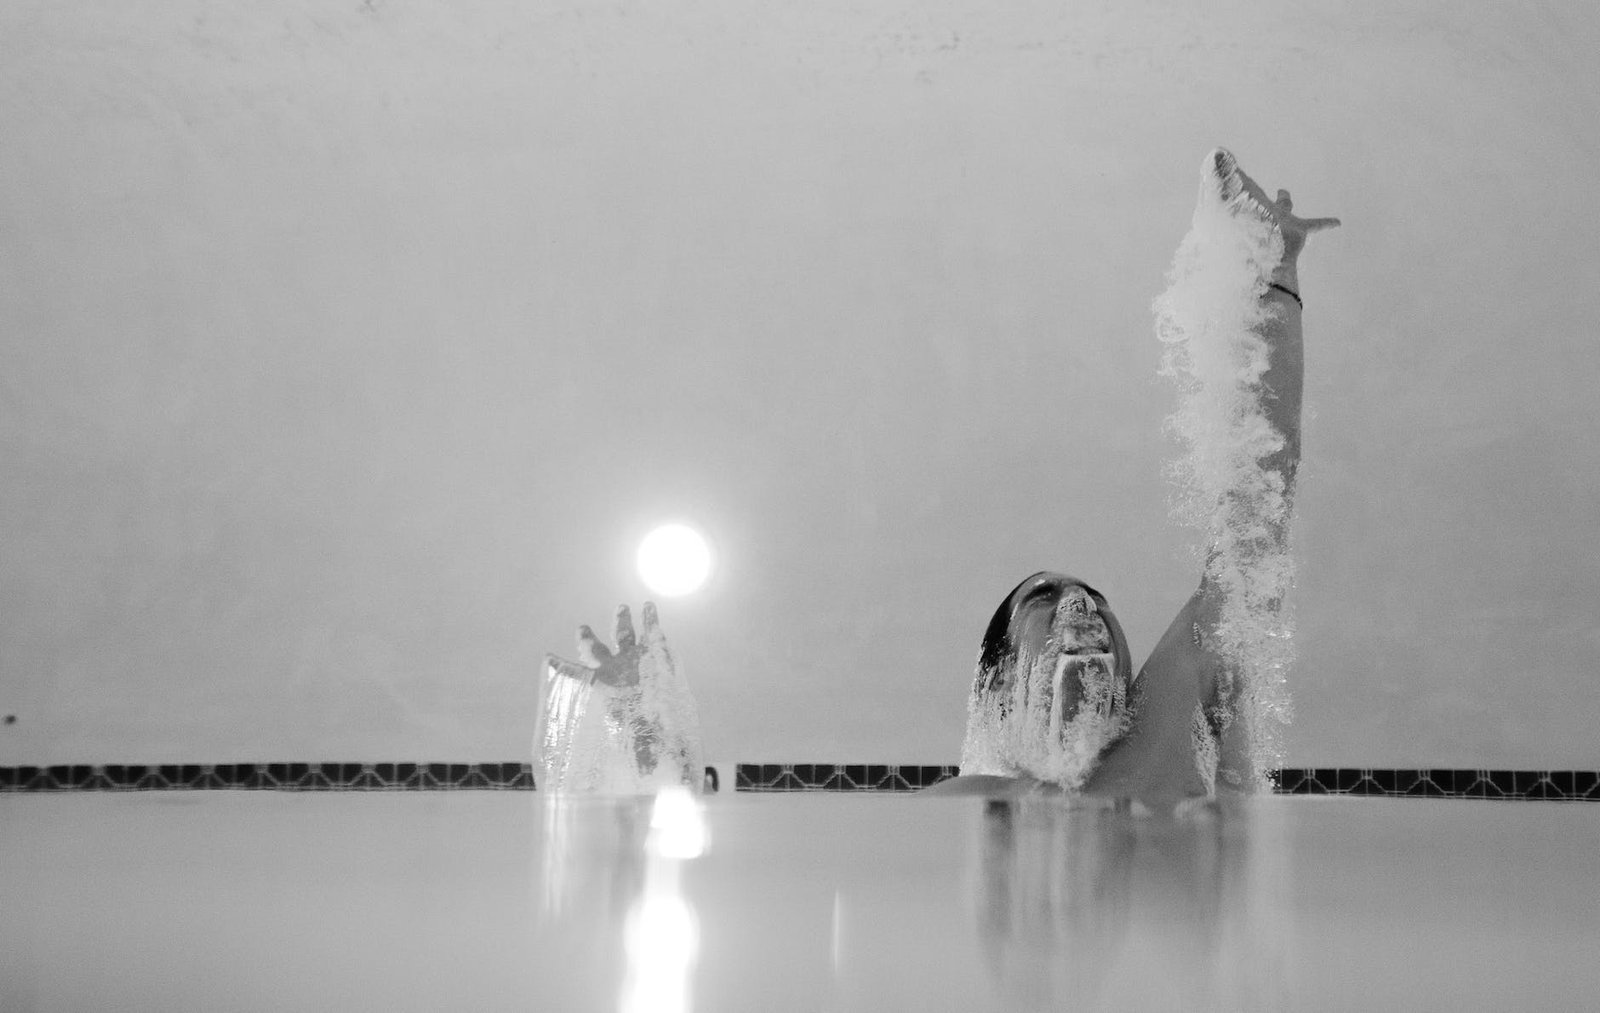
{"points": [[223, 900]]}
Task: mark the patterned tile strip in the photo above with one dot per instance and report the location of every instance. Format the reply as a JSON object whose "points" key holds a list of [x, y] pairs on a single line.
{"points": [[270, 777], [1556, 785]]}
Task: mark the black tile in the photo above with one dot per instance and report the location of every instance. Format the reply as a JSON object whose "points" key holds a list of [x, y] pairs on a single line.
{"points": [[746, 776], [1524, 780], [315, 777], [1424, 787], [337, 775], [1584, 783], [129, 777], [364, 778], [1288, 780], [473, 777], [70, 778], [895, 782], [1367, 786], [1311, 785], [928, 776], [523, 779], [1543, 789], [1386, 781], [1564, 781]]}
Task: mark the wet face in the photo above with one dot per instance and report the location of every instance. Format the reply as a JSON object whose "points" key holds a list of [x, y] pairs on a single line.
{"points": [[1077, 626], [1079, 657], [1052, 687], [1047, 622]]}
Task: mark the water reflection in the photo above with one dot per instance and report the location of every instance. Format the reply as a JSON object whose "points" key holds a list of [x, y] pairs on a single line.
{"points": [[1070, 899], [611, 901], [663, 936]]}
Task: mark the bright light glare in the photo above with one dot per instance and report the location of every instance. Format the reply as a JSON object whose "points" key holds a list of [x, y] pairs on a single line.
{"points": [[674, 560], [677, 826]]}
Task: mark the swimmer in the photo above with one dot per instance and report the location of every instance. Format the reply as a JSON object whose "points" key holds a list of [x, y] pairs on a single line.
{"points": [[1055, 707]]}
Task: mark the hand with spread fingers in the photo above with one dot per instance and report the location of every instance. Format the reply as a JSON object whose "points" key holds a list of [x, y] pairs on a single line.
{"points": [[598, 663], [642, 730], [1238, 189]]}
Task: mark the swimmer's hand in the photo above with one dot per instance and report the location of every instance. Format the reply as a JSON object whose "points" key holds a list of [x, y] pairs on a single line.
{"points": [[1236, 188], [599, 663]]}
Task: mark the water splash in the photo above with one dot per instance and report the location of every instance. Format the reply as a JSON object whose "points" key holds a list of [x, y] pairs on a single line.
{"points": [[1209, 320], [1050, 693], [593, 737]]}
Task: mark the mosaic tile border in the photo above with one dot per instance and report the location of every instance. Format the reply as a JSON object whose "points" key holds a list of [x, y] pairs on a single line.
{"points": [[841, 776], [271, 777], [1543, 785]]}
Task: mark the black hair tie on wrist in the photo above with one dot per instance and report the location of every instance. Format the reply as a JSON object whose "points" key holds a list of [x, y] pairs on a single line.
{"points": [[1288, 292]]}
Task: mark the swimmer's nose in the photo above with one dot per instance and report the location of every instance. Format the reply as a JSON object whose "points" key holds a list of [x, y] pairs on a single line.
{"points": [[1076, 602]]}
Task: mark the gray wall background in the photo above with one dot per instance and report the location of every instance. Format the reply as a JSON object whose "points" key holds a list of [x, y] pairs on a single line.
{"points": [[349, 348]]}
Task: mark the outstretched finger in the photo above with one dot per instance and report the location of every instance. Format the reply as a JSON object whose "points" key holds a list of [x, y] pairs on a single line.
{"points": [[624, 630], [590, 650], [652, 624]]}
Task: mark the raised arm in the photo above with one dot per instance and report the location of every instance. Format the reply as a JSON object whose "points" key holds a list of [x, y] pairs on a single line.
{"points": [[1187, 669], [1284, 379]]}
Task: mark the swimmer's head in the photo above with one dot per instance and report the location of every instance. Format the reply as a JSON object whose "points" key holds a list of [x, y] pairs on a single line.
{"points": [[1055, 652], [1055, 605]]}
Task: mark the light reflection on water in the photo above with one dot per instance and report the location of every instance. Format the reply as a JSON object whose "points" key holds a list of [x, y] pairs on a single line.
{"points": [[398, 901], [1052, 902], [611, 877]]}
